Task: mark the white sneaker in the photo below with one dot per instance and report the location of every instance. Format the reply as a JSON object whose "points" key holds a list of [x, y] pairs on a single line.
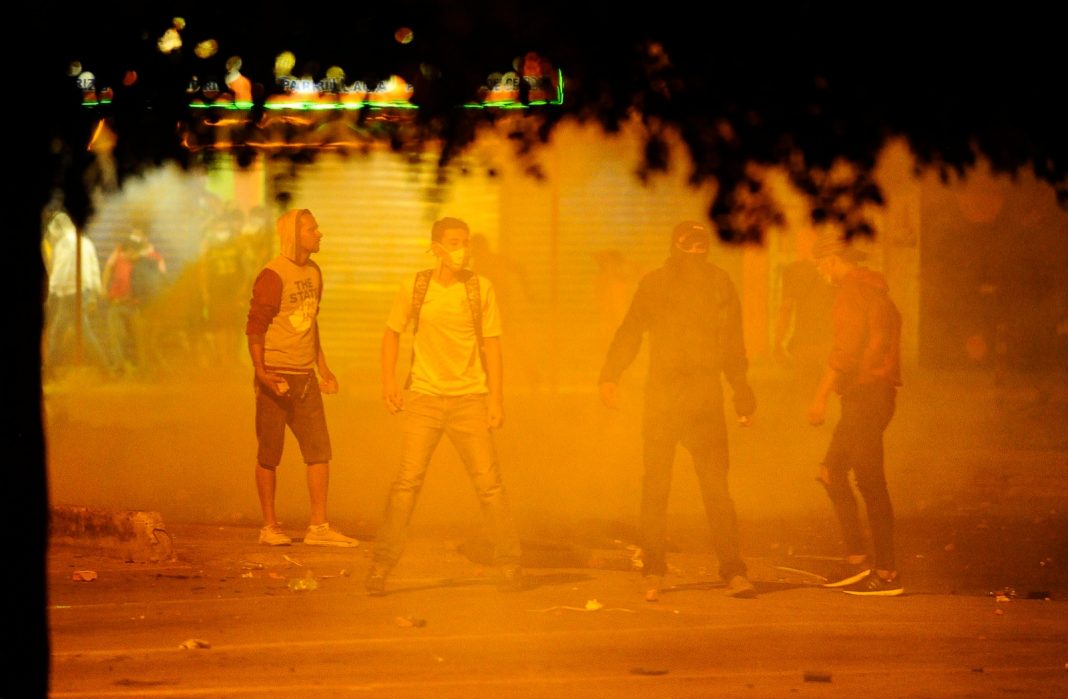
{"points": [[272, 535], [323, 535]]}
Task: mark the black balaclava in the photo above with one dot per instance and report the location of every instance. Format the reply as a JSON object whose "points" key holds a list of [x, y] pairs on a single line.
{"points": [[690, 242]]}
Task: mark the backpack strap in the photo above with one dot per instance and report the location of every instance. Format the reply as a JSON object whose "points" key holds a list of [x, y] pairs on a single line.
{"points": [[474, 301], [422, 283]]}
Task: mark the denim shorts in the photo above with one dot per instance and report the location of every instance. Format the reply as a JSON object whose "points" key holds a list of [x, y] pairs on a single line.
{"points": [[301, 408]]}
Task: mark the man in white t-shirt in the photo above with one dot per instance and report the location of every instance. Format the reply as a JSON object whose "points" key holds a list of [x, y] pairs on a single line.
{"points": [[73, 258], [454, 389]]}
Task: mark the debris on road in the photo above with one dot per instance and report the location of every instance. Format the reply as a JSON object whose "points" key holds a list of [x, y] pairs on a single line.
{"points": [[591, 606]]}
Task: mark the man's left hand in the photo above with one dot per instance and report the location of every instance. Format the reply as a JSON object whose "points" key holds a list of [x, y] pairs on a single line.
{"points": [[328, 383], [495, 416]]}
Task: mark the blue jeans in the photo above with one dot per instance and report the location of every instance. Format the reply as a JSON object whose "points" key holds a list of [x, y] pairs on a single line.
{"points": [[857, 446], [464, 419], [703, 432], [124, 334]]}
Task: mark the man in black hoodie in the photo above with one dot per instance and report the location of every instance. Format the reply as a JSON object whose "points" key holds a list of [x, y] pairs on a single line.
{"points": [[690, 309]]}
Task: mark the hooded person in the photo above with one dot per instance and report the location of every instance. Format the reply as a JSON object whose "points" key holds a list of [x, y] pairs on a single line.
{"points": [[287, 353], [288, 228], [74, 288], [864, 368], [691, 312]]}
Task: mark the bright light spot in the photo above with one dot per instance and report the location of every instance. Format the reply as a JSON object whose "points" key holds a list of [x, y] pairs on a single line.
{"points": [[74, 69], [404, 35], [129, 78], [179, 23], [170, 41], [396, 89], [283, 64], [305, 86], [87, 81], [206, 48]]}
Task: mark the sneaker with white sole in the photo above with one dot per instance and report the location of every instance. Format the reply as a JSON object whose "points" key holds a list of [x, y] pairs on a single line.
{"points": [[272, 535], [847, 574], [323, 535], [874, 585]]}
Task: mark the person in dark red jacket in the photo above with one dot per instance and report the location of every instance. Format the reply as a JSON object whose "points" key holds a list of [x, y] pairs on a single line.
{"points": [[864, 368]]}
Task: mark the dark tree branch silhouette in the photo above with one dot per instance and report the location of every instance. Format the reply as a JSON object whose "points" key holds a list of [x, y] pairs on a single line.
{"points": [[814, 88]]}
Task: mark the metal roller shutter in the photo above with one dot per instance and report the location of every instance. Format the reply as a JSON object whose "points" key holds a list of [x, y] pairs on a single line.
{"points": [[375, 211]]}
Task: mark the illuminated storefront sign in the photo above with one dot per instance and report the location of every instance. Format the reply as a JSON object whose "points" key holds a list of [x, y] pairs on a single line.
{"points": [[542, 85], [319, 113]]}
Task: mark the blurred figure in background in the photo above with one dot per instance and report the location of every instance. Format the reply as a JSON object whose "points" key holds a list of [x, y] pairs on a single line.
{"points": [[148, 282], [518, 329], [224, 285], [864, 368], [123, 341], [690, 309], [257, 238], [70, 311], [133, 277], [803, 325]]}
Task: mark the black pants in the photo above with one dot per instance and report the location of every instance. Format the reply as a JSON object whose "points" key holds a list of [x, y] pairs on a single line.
{"points": [[704, 434], [857, 446]]}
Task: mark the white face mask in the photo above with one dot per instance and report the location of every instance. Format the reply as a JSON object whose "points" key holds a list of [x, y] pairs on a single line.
{"points": [[458, 258]]}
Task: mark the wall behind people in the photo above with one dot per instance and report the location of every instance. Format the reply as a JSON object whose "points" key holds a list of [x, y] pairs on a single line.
{"points": [[994, 257]]}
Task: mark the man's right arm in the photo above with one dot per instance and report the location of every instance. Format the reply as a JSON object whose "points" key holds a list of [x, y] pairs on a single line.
{"points": [[272, 382], [395, 325], [624, 348], [817, 408], [264, 306]]}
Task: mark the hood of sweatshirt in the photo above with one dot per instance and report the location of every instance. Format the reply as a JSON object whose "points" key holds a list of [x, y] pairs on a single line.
{"points": [[287, 226]]}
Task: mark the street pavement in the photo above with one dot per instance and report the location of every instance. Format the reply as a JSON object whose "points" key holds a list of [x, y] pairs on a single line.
{"points": [[227, 617], [978, 473]]}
